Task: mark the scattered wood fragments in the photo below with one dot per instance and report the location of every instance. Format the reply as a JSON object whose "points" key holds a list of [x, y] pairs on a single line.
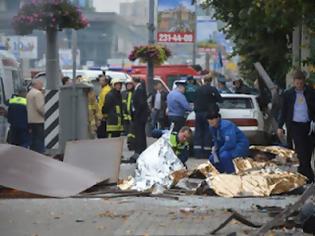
{"points": [[238, 217], [280, 219]]}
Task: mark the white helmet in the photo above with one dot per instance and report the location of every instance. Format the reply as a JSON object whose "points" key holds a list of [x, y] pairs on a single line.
{"points": [[115, 81], [128, 80]]}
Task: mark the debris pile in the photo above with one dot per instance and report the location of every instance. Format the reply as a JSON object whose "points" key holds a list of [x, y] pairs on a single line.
{"points": [[158, 166]]}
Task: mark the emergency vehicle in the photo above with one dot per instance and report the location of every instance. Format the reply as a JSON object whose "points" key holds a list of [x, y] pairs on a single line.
{"points": [[10, 81]]}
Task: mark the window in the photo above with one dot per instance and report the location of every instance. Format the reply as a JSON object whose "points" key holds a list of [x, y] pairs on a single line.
{"points": [[236, 103]]}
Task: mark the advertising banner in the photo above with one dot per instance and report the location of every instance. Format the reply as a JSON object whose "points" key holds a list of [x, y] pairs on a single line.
{"points": [[176, 21], [23, 47]]}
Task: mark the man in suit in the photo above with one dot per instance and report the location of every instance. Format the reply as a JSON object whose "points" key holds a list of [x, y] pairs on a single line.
{"points": [[298, 114], [158, 106], [139, 115]]}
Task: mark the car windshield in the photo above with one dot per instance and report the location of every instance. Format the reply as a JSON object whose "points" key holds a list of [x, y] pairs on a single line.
{"points": [[236, 103]]}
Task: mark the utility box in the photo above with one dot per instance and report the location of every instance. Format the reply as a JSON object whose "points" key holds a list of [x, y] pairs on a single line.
{"points": [[73, 110]]}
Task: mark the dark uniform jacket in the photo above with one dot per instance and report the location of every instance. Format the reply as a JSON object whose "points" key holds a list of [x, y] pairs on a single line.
{"points": [[140, 105], [207, 97], [17, 113], [127, 104], [113, 109]]}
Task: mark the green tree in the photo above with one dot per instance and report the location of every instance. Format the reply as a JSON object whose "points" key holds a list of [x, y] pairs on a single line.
{"points": [[262, 31]]}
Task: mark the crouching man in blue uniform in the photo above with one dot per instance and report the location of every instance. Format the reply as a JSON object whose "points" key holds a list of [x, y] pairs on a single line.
{"points": [[229, 142], [179, 142]]}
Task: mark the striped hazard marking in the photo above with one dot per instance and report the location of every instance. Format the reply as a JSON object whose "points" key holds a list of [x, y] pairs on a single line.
{"points": [[52, 119]]}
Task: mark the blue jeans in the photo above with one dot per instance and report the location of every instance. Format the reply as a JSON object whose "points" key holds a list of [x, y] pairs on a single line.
{"points": [[37, 137]]}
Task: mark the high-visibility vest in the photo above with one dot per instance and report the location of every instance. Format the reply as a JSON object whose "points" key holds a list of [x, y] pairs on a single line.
{"points": [[18, 100], [176, 146], [127, 105]]}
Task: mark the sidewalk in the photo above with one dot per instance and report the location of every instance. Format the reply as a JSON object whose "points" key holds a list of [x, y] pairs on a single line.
{"points": [[191, 215]]}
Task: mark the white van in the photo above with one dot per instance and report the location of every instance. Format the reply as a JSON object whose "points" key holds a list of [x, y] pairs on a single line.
{"points": [[10, 81]]}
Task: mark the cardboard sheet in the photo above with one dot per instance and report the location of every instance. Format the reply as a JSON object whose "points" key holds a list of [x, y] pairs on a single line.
{"points": [[100, 156], [29, 171]]}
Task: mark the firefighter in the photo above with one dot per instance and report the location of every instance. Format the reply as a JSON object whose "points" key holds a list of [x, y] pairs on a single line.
{"points": [[17, 117], [105, 88], [112, 108], [206, 100], [127, 113]]}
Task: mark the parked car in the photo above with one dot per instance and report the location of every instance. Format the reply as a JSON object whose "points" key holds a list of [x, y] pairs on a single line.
{"points": [[244, 111]]}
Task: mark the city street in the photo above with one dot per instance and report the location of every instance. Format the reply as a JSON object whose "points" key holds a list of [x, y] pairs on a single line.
{"points": [[189, 215], [216, 100]]}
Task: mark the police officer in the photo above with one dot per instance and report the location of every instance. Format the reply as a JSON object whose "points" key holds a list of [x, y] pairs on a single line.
{"points": [[177, 106], [113, 109], [17, 117], [127, 113], [207, 97]]}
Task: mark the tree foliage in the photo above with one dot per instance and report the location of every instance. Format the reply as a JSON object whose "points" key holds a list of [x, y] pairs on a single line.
{"points": [[262, 31]]}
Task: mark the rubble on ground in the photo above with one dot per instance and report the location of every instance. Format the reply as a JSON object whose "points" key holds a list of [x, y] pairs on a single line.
{"points": [[254, 177]]}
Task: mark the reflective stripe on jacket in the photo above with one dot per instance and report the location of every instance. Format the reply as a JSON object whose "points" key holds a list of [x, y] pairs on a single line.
{"points": [[181, 150], [127, 103], [113, 109]]}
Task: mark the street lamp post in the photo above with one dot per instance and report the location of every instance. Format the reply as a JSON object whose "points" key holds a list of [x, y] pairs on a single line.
{"points": [[151, 28]]}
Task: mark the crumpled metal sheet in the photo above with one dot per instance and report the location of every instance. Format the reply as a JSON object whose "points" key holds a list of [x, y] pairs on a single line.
{"points": [[100, 156], [204, 170], [156, 164], [284, 154], [264, 182], [29, 171], [248, 164]]}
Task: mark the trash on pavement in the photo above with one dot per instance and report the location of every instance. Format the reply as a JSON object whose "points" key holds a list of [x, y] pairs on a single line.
{"points": [[126, 183], [32, 172], [155, 166], [100, 156]]}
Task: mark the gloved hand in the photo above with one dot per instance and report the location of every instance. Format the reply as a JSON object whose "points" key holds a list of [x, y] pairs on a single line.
{"points": [[312, 128], [213, 158]]}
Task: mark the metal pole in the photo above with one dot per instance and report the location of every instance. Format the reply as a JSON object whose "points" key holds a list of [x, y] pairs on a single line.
{"points": [[74, 94], [195, 40], [150, 65], [52, 60]]}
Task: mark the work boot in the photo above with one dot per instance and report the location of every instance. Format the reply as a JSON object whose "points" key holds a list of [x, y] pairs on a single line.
{"points": [[132, 159]]}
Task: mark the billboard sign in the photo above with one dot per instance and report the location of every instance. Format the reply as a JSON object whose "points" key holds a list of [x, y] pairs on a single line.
{"points": [[176, 21], [65, 58], [23, 47]]}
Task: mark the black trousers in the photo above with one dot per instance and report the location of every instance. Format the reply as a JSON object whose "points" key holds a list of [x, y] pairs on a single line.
{"points": [[178, 121], [37, 137], [101, 130], [303, 146], [140, 137], [202, 137]]}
